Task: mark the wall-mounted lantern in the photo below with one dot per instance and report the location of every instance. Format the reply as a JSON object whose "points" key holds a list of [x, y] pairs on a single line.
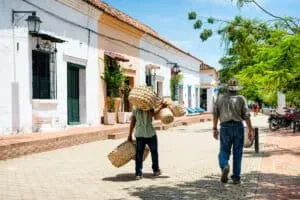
{"points": [[33, 21]]}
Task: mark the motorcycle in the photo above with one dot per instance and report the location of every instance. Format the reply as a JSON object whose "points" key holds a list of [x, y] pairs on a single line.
{"points": [[277, 121]]}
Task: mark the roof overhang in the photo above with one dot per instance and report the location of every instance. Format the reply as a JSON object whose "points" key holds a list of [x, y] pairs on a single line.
{"points": [[48, 37], [116, 56]]}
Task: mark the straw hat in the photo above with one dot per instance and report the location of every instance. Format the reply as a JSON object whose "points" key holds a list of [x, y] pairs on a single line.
{"points": [[233, 85]]}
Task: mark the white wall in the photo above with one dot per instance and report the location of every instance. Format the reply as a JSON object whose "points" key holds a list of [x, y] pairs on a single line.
{"points": [[190, 69], [78, 45]]}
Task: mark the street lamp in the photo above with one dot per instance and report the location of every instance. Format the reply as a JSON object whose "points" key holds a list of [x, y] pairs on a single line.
{"points": [[33, 21]]}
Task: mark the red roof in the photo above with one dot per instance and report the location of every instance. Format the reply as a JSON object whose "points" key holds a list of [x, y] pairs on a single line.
{"points": [[116, 56], [133, 22]]}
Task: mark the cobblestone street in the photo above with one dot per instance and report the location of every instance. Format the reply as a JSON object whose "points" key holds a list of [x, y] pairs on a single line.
{"points": [[188, 158]]}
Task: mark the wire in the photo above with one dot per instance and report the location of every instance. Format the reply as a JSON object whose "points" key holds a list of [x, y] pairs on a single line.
{"points": [[103, 35]]}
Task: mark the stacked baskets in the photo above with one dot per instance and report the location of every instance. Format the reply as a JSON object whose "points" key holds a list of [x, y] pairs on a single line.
{"points": [[143, 97], [177, 109]]}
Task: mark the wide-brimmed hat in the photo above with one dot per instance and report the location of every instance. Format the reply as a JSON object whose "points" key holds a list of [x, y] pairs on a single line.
{"points": [[233, 85]]}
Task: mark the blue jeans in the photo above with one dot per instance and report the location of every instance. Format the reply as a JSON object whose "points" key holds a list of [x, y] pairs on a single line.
{"points": [[232, 135], [140, 146]]}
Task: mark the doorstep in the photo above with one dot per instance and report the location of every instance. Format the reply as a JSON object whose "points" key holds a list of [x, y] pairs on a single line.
{"points": [[23, 144]]}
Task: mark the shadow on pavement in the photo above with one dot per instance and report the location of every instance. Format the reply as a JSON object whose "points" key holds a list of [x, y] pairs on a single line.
{"points": [[130, 177], [209, 187], [272, 150]]}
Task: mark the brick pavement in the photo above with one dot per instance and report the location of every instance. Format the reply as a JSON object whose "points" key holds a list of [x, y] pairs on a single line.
{"points": [[24, 144], [280, 167], [188, 158]]}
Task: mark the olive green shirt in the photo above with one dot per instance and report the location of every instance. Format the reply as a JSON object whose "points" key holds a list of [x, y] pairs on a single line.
{"points": [[143, 123], [231, 106]]}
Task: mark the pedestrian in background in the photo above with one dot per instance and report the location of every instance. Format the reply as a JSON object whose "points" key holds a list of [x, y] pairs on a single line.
{"points": [[231, 109]]}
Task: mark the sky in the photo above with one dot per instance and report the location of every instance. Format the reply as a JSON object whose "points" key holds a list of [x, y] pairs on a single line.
{"points": [[169, 19]]}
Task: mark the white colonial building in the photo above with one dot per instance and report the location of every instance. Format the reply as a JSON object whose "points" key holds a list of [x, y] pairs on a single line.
{"points": [[51, 74], [44, 73], [209, 87], [160, 65]]}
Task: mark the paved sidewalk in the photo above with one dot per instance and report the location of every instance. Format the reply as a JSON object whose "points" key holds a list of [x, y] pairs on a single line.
{"points": [[23, 144], [280, 167], [188, 158]]}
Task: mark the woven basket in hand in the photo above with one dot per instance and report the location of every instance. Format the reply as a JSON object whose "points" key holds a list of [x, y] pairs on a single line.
{"points": [[143, 97], [247, 143], [122, 154], [166, 116], [146, 152], [177, 110]]}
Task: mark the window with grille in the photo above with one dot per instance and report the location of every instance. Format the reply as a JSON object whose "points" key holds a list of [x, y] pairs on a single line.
{"points": [[43, 75]]}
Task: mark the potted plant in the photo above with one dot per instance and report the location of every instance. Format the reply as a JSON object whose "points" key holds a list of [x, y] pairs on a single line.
{"points": [[109, 115], [124, 115], [174, 83], [114, 78]]}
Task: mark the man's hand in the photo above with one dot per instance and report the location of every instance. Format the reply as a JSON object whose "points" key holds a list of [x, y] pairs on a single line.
{"points": [[216, 133], [129, 138], [251, 134]]}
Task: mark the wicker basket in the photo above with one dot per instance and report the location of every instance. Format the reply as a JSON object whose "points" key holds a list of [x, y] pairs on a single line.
{"points": [[143, 97], [146, 152], [166, 116], [247, 143], [177, 110], [124, 153]]}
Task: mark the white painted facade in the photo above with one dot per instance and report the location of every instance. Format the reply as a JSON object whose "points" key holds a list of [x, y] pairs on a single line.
{"points": [[209, 83], [188, 64], [17, 107]]}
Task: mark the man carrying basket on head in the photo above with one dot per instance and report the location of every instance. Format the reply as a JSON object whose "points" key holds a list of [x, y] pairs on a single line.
{"points": [[145, 134]]}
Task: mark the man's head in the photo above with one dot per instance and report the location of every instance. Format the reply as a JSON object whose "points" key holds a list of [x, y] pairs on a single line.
{"points": [[233, 85]]}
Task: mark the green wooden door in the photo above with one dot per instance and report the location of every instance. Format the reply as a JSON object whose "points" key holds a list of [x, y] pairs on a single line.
{"points": [[73, 95]]}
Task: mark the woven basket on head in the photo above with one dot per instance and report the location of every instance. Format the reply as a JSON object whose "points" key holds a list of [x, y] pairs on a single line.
{"points": [[124, 153], [177, 110], [166, 116], [143, 97]]}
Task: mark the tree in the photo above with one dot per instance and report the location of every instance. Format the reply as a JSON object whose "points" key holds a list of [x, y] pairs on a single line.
{"points": [[263, 55]]}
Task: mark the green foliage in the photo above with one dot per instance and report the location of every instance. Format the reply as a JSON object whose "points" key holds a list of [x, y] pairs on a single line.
{"points": [[174, 83], [206, 33], [111, 107], [192, 15], [264, 56], [113, 76], [210, 20], [198, 24]]}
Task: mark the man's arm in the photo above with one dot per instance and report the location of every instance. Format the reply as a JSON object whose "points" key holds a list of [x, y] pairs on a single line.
{"points": [[132, 125], [160, 107], [250, 129], [215, 127]]}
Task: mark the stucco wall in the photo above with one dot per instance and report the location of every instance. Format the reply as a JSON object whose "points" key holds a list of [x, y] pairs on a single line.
{"points": [[113, 28], [190, 66], [16, 105]]}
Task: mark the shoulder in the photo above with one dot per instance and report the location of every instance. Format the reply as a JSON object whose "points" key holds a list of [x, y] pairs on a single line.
{"points": [[242, 98]]}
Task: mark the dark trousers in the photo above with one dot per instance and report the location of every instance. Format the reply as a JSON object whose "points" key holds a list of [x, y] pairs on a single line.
{"points": [[232, 136], [140, 146]]}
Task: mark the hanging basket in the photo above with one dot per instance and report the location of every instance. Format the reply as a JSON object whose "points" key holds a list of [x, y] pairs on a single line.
{"points": [[146, 152], [143, 97], [166, 116], [247, 143], [177, 110], [124, 153]]}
